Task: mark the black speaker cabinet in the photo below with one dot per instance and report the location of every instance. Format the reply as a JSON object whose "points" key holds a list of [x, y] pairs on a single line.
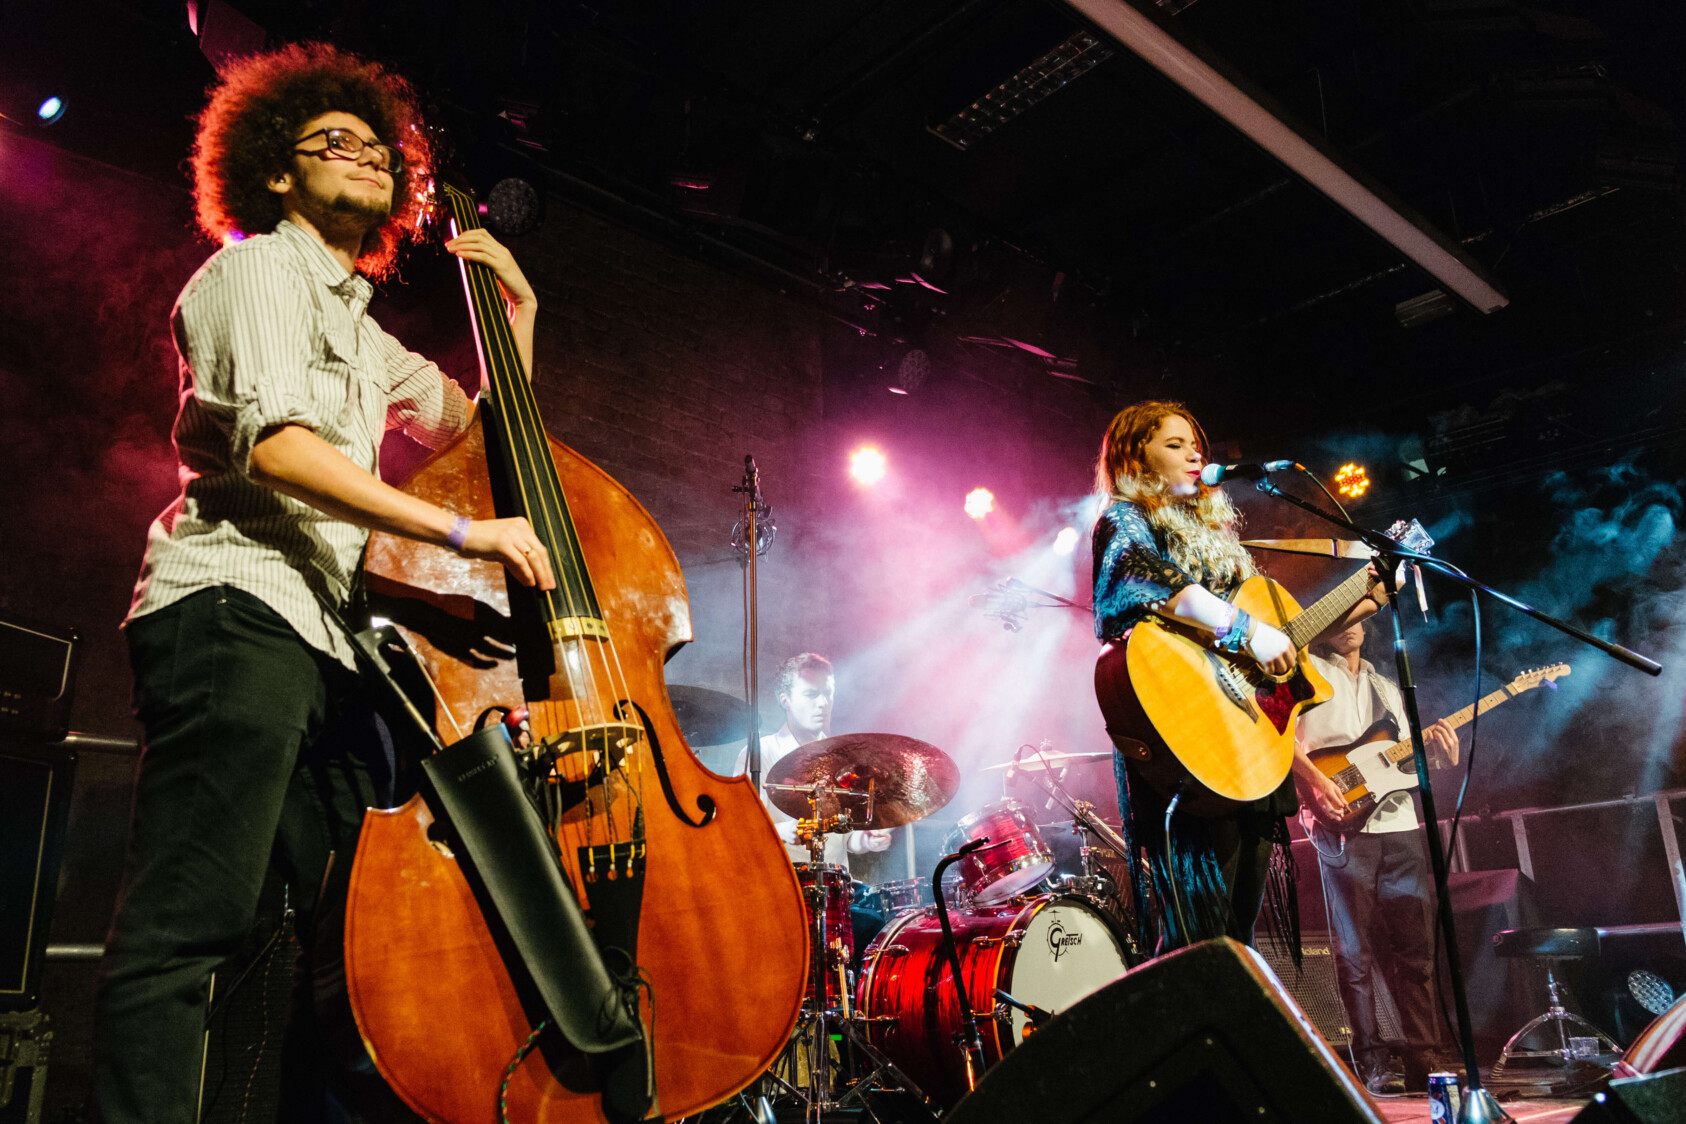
{"points": [[1652, 1098], [1203, 1034], [35, 785]]}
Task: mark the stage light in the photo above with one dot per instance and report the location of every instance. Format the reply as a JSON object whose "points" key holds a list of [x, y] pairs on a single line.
{"points": [[50, 110], [1352, 481], [867, 465], [1066, 541], [980, 502]]}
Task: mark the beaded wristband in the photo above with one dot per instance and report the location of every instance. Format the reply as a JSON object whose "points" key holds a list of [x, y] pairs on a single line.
{"points": [[1240, 630], [459, 533]]}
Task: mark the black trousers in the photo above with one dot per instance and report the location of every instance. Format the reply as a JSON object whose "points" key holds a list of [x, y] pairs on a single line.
{"points": [[235, 772], [1381, 917]]}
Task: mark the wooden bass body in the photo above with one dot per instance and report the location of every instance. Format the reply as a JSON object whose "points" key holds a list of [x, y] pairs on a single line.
{"points": [[722, 937], [1208, 724]]}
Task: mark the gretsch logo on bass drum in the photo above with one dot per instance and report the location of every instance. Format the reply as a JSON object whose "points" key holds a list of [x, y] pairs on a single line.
{"points": [[1059, 940]]}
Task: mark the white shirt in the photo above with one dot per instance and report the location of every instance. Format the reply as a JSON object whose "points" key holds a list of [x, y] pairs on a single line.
{"points": [[1358, 701], [273, 331]]}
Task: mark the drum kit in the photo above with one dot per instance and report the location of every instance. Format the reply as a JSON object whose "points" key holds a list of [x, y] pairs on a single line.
{"points": [[1029, 940]]}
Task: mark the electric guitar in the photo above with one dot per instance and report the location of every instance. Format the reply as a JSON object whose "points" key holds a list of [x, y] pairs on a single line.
{"points": [[1378, 764]]}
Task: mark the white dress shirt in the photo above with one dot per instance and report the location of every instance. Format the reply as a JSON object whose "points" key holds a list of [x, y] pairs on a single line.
{"points": [[1359, 700]]}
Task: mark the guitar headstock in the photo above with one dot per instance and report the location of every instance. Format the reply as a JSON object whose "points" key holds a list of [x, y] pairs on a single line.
{"points": [[1528, 680], [1411, 535]]}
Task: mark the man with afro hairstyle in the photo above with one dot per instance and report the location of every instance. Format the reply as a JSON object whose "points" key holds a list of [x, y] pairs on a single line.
{"points": [[305, 169]]}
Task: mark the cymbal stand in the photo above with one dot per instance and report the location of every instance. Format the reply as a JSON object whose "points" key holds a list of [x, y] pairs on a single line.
{"points": [[819, 1023]]}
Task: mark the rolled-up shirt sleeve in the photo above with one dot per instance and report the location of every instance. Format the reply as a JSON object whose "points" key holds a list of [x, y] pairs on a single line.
{"points": [[246, 330], [421, 399], [1132, 576]]}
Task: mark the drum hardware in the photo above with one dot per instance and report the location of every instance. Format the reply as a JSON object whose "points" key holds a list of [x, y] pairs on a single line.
{"points": [[856, 782], [828, 1014], [1035, 1014]]}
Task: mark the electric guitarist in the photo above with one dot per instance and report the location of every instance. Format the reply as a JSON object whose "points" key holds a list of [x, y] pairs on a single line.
{"points": [[1376, 880]]}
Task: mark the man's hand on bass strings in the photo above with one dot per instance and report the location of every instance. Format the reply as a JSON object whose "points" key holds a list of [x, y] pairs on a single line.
{"points": [[513, 543]]}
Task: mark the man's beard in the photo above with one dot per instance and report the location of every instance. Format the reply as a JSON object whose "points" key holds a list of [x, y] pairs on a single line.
{"points": [[347, 212], [350, 209]]}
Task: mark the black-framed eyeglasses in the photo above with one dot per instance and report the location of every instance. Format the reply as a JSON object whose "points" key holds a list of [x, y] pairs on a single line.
{"points": [[349, 144]]}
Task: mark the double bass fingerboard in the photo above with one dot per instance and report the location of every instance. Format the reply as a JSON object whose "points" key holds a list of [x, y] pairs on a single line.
{"points": [[571, 609]]}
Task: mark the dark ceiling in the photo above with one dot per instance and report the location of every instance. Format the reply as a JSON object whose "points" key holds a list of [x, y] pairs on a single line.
{"points": [[1114, 225]]}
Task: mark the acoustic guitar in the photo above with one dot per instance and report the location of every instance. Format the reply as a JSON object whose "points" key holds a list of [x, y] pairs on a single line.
{"points": [[1209, 725], [1378, 763]]}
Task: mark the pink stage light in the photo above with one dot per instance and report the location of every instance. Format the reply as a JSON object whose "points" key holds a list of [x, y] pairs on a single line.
{"points": [[980, 502], [1066, 541], [867, 465]]}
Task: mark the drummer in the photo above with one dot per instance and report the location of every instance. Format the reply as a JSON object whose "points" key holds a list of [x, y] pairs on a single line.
{"points": [[806, 687]]}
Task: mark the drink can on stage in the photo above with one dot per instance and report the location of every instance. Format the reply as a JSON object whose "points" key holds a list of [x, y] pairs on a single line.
{"points": [[1443, 1097]]}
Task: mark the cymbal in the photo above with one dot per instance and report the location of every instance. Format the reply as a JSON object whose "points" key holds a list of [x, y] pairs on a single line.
{"points": [[710, 717], [911, 779], [1034, 763]]}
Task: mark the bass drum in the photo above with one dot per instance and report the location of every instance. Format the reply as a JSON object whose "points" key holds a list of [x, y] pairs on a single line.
{"points": [[1048, 951]]}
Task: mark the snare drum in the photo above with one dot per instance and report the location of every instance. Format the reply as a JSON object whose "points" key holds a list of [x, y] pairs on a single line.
{"points": [[895, 898], [1014, 860], [1048, 951], [839, 927]]}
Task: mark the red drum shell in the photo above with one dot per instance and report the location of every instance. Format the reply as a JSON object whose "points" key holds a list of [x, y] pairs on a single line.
{"points": [[839, 928], [1015, 859], [1017, 946]]}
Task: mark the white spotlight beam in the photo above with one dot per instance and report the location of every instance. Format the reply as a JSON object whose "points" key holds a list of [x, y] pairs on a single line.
{"points": [[1437, 255]]}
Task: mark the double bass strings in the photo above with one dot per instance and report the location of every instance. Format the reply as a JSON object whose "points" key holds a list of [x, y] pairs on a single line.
{"points": [[542, 494]]}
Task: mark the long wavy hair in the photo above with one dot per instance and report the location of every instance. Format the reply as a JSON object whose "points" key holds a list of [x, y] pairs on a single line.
{"points": [[248, 128], [1200, 530]]}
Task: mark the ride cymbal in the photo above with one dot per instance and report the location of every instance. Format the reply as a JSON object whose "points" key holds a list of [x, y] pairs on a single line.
{"points": [[910, 778]]}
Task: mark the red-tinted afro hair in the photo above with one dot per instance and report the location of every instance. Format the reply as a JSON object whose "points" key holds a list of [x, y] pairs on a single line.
{"points": [[247, 130]]}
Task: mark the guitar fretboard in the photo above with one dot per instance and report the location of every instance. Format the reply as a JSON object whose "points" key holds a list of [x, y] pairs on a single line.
{"points": [[1328, 609], [1459, 718]]}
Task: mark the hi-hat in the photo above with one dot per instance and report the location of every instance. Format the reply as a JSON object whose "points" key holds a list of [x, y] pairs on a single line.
{"points": [[910, 778], [1031, 763]]}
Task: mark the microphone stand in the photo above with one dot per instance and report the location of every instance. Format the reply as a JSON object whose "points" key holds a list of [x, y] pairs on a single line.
{"points": [[970, 1041], [1479, 1105], [755, 511]]}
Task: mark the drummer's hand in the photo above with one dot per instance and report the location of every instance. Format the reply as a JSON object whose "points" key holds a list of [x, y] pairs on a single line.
{"points": [[860, 841], [1272, 648]]}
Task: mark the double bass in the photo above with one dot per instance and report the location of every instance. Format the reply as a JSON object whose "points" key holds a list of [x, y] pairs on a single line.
{"points": [[721, 933]]}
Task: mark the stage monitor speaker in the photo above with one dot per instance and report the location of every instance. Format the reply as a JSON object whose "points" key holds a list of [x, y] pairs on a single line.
{"points": [[35, 785], [1205, 1033], [1652, 1098]]}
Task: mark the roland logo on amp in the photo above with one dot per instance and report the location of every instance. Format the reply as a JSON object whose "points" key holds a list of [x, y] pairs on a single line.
{"points": [[1059, 940]]}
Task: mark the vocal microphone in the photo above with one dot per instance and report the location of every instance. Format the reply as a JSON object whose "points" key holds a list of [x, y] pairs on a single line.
{"points": [[1214, 474]]}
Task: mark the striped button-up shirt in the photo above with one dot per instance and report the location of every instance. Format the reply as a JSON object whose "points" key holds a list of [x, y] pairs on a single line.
{"points": [[272, 331]]}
